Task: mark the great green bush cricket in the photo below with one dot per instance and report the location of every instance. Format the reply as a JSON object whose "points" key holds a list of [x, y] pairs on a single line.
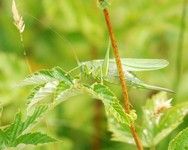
{"points": [[106, 70]]}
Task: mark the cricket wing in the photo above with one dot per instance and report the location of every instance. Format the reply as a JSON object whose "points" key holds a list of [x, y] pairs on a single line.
{"points": [[133, 64]]}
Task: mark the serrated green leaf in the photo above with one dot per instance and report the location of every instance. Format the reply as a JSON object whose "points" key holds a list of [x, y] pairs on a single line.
{"points": [[159, 120], [180, 142], [34, 139], [61, 75], [170, 120], [118, 120], [15, 129], [120, 132], [9, 135], [60, 89], [64, 95], [52, 84], [33, 92], [104, 92], [41, 92], [18, 126], [38, 78], [32, 119], [45, 76], [112, 105], [4, 139], [151, 117]]}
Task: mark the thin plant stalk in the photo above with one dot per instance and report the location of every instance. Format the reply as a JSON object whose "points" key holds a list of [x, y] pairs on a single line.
{"points": [[20, 25], [121, 77], [25, 54], [180, 47]]}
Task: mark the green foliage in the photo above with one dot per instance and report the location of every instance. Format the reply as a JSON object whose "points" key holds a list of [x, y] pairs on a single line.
{"points": [[120, 132], [65, 87], [59, 86], [159, 120], [49, 84], [34, 139], [171, 119], [55, 85], [111, 103], [56, 81], [155, 36], [14, 134], [45, 76], [180, 142]]}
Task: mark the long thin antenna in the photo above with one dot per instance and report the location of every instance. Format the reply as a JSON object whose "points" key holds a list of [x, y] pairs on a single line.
{"points": [[60, 36]]}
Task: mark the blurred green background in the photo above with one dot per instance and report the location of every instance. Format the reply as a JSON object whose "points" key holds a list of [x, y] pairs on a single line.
{"points": [[144, 29]]}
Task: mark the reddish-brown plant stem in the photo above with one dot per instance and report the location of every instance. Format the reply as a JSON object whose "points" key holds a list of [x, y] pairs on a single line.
{"points": [[121, 77]]}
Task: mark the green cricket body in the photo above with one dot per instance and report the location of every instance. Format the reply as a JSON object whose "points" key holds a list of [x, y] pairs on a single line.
{"points": [[106, 70], [129, 65]]}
